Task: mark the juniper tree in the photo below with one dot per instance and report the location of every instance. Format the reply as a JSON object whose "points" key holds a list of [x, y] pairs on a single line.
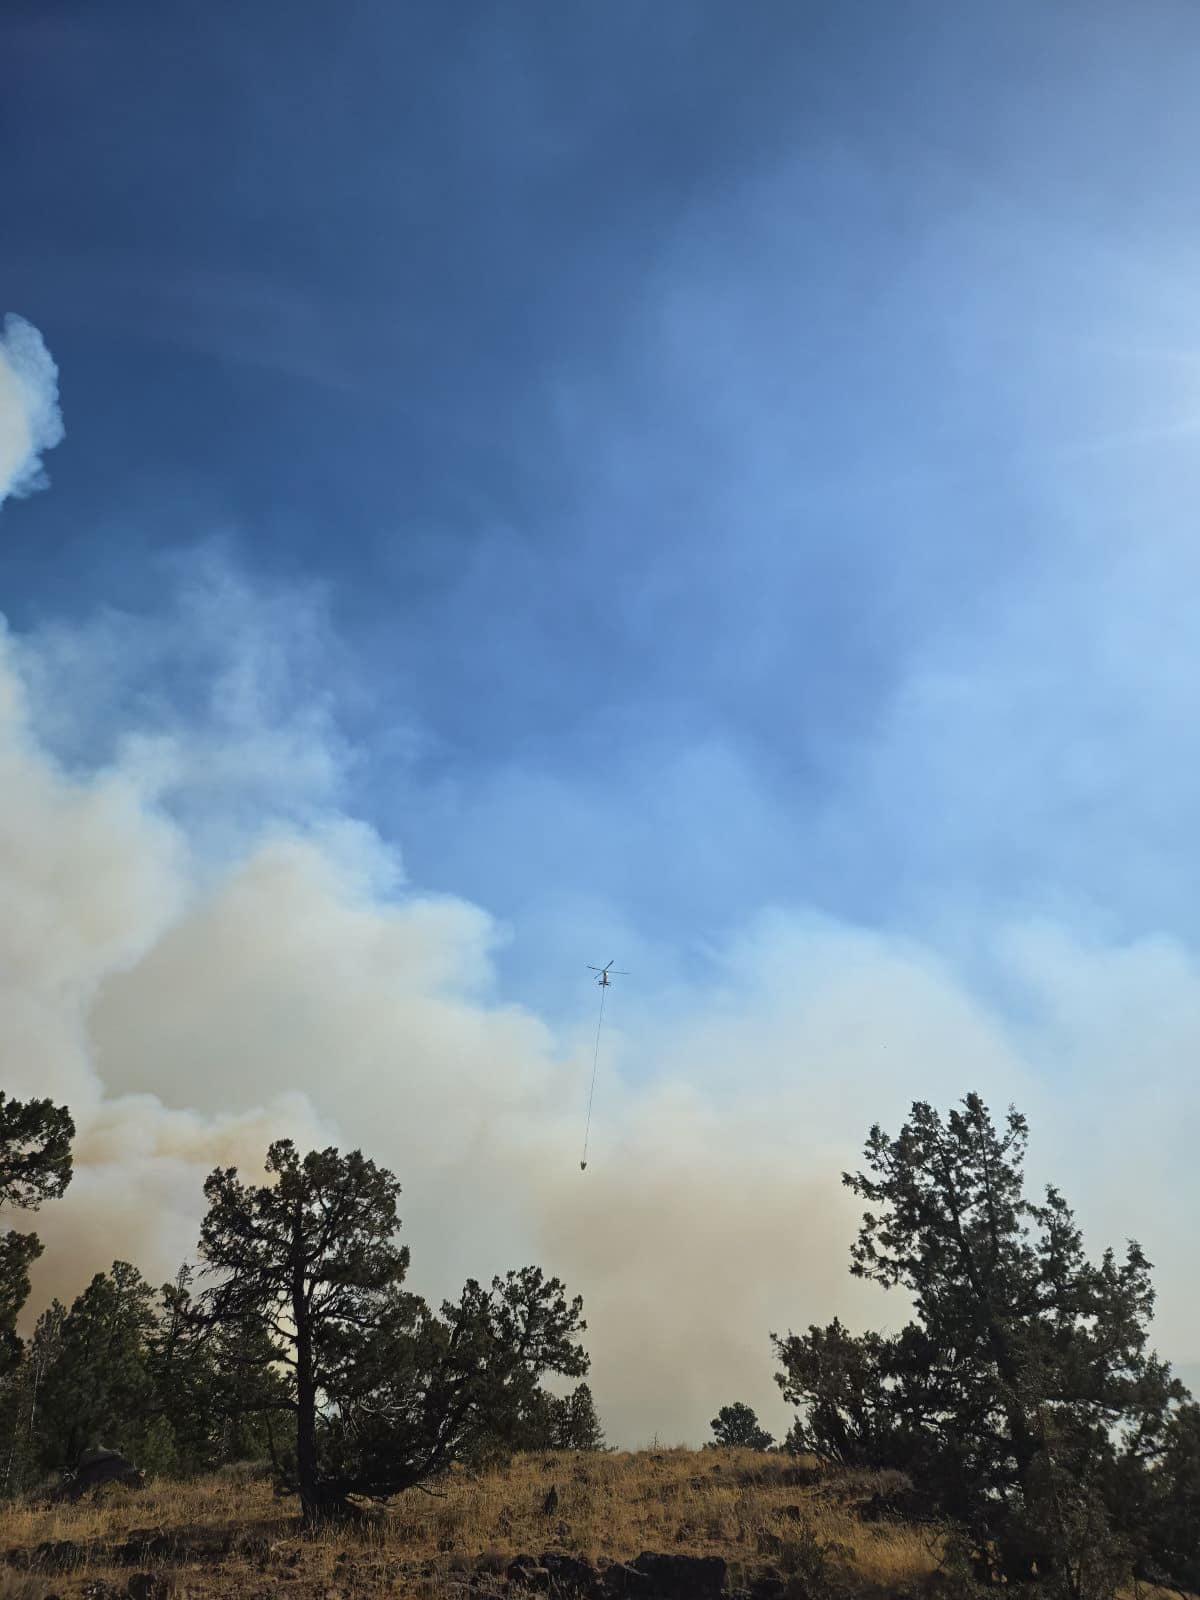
{"points": [[737, 1427], [311, 1258], [1169, 1520], [462, 1385], [842, 1382], [574, 1424], [384, 1392], [1023, 1390]]}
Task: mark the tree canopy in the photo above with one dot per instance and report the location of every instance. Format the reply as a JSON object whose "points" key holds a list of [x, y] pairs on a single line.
{"points": [[1023, 1395], [737, 1427], [385, 1393], [35, 1165]]}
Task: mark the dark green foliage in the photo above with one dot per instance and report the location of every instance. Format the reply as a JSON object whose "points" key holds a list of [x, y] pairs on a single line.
{"points": [[20, 1402], [250, 1398], [737, 1427], [310, 1259], [1023, 1397], [543, 1422], [184, 1375], [98, 1387], [384, 1393], [464, 1385], [574, 1422], [841, 1381], [135, 1370], [35, 1165], [35, 1151], [18, 1252], [216, 1388], [1165, 1517]]}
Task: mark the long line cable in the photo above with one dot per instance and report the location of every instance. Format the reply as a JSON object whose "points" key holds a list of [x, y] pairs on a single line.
{"points": [[591, 1095]]}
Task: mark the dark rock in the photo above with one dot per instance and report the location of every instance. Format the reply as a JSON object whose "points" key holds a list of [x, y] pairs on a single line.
{"points": [[535, 1578], [623, 1582], [150, 1586], [572, 1576], [55, 1555], [519, 1567], [144, 1546], [768, 1585], [671, 1577]]}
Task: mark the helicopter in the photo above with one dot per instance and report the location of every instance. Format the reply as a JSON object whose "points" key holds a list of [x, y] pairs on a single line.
{"points": [[605, 976], [604, 980]]}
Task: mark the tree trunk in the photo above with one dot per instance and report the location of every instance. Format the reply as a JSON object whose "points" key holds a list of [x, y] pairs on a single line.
{"points": [[306, 1407]]}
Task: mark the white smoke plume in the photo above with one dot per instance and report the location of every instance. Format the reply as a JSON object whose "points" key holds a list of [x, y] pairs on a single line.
{"points": [[191, 1002], [30, 420]]}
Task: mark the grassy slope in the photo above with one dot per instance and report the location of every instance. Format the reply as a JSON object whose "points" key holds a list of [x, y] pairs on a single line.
{"points": [[237, 1540]]}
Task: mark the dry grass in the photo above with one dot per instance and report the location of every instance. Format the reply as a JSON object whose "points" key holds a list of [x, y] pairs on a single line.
{"points": [[223, 1537]]}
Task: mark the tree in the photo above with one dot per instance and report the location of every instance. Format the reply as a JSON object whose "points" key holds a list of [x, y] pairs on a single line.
{"points": [[383, 1392], [98, 1387], [20, 1400], [311, 1258], [464, 1385], [1165, 1516], [249, 1398], [216, 1388], [1023, 1393], [842, 1381], [35, 1165], [737, 1428], [574, 1424], [184, 1376]]}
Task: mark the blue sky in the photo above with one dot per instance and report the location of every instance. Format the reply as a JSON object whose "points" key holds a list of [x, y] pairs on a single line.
{"points": [[653, 393], [691, 463]]}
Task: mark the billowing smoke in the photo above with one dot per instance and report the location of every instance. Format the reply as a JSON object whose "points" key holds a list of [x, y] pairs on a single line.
{"points": [[203, 949], [192, 1004], [30, 421]]}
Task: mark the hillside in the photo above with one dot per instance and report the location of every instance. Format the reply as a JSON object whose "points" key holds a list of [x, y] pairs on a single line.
{"points": [[767, 1517]]}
